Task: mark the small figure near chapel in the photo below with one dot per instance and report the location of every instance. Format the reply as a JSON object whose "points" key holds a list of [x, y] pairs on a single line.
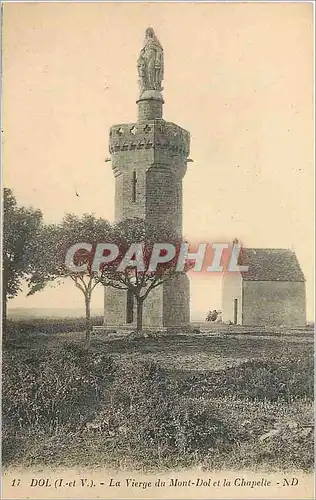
{"points": [[150, 63]]}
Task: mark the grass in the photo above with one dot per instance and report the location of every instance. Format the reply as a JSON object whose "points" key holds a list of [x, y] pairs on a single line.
{"points": [[215, 401]]}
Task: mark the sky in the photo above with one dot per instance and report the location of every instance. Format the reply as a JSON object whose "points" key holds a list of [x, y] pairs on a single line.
{"points": [[238, 77]]}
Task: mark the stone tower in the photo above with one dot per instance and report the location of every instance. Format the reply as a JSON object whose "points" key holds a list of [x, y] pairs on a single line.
{"points": [[149, 160]]}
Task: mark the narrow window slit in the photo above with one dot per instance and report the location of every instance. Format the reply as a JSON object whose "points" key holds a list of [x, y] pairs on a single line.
{"points": [[134, 182]]}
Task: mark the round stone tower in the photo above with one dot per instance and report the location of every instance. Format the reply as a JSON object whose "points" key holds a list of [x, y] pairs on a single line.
{"points": [[149, 160]]}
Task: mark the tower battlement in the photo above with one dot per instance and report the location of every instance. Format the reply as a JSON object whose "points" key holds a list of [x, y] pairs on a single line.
{"points": [[152, 134]]}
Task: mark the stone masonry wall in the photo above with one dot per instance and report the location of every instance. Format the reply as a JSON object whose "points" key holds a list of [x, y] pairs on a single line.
{"points": [[164, 198], [274, 303], [231, 290], [176, 302]]}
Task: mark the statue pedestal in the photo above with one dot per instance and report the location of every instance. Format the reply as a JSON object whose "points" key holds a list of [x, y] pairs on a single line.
{"points": [[150, 105]]}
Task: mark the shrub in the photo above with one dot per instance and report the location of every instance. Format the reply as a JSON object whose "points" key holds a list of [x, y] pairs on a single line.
{"points": [[213, 316], [46, 389], [146, 417], [49, 325], [282, 378]]}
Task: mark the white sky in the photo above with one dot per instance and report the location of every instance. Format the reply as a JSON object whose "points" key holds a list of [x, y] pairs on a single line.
{"points": [[239, 77]]}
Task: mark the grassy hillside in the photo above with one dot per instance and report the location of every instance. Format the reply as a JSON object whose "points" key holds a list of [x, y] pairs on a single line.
{"points": [[220, 401]]}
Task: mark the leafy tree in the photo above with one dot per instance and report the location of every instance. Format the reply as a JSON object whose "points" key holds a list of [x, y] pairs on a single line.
{"points": [[141, 282], [56, 241], [21, 229]]}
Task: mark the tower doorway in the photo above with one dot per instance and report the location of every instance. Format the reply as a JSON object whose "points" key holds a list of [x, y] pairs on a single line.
{"points": [[129, 307]]}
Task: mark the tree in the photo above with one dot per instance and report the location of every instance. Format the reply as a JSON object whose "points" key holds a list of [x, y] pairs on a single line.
{"points": [[57, 239], [21, 229], [140, 236]]}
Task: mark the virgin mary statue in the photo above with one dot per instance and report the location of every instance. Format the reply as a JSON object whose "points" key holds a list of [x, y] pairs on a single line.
{"points": [[150, 63]]}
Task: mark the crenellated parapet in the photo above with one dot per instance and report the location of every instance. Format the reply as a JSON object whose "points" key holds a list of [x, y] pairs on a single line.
{"points": [[155, 134]]}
